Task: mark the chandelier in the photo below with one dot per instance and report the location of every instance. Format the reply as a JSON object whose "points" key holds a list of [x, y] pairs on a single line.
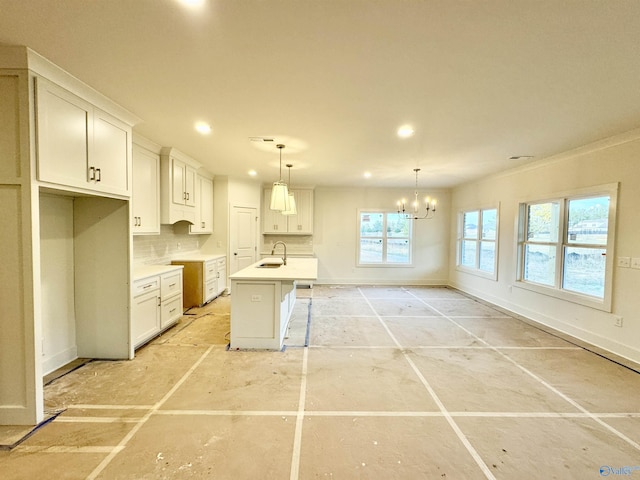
{"points": [[429, 205]]}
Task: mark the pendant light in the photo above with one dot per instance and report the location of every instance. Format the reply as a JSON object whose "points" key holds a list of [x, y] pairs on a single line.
{"points": [[291, 199], [280, 192]]}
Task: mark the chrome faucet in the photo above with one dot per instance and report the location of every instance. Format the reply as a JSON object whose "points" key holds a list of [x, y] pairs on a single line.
{"points": [[284, 245]]}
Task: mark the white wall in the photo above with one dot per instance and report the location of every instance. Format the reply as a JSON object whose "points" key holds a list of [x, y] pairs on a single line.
{"points": [[336, 234], [57, 282], [609, 161]]}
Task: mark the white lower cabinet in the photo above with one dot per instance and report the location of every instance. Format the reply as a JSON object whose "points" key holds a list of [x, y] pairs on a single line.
{"points": [[157, 301], [145, 317]]}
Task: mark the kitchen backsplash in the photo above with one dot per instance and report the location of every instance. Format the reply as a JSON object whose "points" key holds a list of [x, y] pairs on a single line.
{"points": [[296, 244], [160, 249]]}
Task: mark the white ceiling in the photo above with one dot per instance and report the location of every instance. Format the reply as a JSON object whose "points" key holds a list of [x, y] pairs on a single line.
{"points": [[480, 81]]}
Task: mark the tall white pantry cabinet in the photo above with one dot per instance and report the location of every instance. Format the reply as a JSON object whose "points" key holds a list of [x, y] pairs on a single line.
{"points": [[61, 142]]}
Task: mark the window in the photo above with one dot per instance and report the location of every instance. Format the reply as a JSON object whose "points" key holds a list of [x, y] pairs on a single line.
{"points": [[477, 241], [565, 246], [384, 238]]}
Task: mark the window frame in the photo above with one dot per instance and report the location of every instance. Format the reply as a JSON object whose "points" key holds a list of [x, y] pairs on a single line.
{"points": [[562, 243], [384, 238], [461, 238]]}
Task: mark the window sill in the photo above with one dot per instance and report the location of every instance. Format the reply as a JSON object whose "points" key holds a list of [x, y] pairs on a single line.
{"points": [[477, 273], [603, 305]]}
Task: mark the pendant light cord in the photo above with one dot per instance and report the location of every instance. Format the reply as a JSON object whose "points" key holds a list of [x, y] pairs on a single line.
{"points": [[280, 147]]}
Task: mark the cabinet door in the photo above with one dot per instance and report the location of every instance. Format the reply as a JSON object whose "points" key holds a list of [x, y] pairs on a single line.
{"points": [[171, 311], [63, 136], [145, 317], [222, 274], [146, 194], [110, 154], [272, 221], [178, 194], [204, 206], [211, 290], [302, 222], [190, 186]]}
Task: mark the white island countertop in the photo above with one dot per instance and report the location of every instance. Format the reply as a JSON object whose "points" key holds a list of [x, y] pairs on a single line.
{"points": [[296, 269]]}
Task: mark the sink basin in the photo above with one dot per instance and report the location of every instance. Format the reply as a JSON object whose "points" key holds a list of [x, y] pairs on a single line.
{"points": [[271, 262]]}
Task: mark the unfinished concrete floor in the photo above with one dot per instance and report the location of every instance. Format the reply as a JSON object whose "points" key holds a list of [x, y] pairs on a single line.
{"points": [[396, 383]]}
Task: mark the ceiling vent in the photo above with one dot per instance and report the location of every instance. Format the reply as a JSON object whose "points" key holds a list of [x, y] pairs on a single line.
{"points": [[261, 139]]}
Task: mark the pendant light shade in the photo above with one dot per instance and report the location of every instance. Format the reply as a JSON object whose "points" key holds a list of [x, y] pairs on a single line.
{"points": [[291, 199], [280, 191], [279, 196]]}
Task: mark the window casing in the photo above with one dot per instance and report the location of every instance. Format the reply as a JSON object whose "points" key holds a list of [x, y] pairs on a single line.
{"points": [[384, 239], [478, 241], [565, 246]]}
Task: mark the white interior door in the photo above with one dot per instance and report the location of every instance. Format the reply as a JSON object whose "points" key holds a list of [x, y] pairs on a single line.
{"points": [[242, 239]]}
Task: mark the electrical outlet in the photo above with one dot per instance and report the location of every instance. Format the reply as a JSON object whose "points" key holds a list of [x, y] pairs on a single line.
{"points": [[635, 262], [624, 262], [256, 298], [179, 246], [618, 321]]}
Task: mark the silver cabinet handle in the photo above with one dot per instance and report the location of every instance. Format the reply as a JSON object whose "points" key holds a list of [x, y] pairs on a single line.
{"points": [[202, 224], [172, 285], [98, 175], [92, 173]]}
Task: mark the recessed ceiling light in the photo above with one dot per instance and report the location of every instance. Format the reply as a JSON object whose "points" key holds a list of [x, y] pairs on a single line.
{"points": [[253, 173], [405, 131], [520, 157], [367, 175], [203, 128]]}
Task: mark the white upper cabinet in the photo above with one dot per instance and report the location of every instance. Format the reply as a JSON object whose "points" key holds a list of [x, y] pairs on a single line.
{"points": [[275, 223], [177, 187], [78, 145], [145, 197], [272, 220], [302, 222], [204, 206], [183, 186], [110, 155]]}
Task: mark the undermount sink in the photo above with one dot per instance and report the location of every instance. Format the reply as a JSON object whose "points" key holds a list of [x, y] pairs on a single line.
{"points": [[269, 265]]}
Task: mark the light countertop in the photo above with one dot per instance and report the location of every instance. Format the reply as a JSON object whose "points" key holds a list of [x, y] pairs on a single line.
{"points": [[196, 257], [145, 271], [296, 269]]}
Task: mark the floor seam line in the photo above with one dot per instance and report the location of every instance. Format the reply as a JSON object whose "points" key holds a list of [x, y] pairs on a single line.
{"points": [[107, 460], [454, 426], [297, 438], [543, 382]]}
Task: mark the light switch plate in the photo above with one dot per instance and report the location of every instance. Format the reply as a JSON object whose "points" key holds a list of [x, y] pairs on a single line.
{"points": [[635, 262], [624, 262]]}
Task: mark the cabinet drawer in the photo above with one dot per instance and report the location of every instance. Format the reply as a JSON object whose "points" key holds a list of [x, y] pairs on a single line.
{"points": [[170, 284], [146, 285], [210, 271], [211, 290], [171, 311]]}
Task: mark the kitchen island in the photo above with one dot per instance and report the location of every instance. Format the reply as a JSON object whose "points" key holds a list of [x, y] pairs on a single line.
{"points": [[262, 299]]}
